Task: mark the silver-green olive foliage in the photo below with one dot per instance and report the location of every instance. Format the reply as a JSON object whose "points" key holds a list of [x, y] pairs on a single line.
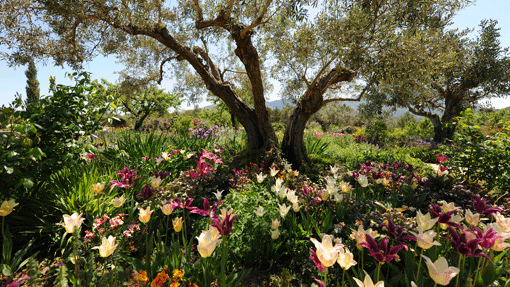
{"points": [[443, 72], [311, 47]]}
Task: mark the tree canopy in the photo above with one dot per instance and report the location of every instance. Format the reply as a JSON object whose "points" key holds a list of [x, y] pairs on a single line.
{"points": [[314, 48], [444, 72]]}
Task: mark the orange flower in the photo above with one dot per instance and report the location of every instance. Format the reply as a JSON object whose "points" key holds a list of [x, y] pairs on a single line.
{"points": [[175, 284], [177, 273], [160, 279], [142, 277]]}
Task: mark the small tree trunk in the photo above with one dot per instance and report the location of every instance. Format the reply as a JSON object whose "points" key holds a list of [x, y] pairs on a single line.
{"points": [[139, 121], [293, 146]]}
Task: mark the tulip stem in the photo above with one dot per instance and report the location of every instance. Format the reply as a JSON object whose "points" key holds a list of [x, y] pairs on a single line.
{"points": [[419, 265], [460, 268], [205, 271], [166, 229], [325, 276], [3, 221], [378, 272], [343, 277], [223, 273], [478, 268]]}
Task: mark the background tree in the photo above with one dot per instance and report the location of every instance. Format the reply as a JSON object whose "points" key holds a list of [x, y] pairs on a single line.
{"points": [[206, 42], [443, 72], [140, 99], [32, 87]]}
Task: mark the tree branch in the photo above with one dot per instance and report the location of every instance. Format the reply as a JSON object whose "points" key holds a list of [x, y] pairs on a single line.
{"points": [[258, 20], [232, 71], [199, 10], [161, 67], [419, 112], [357, 99], [73, 38]]}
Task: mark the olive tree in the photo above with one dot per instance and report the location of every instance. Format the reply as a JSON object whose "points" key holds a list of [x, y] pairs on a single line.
{"points": [[444, 72], [312, 47]]}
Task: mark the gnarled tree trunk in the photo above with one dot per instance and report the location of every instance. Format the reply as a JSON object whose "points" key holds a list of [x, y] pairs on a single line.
{"points": [[293, 146]]}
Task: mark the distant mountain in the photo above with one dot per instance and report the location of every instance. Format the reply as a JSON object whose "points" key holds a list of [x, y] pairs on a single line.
{"points": [[280, 104]]}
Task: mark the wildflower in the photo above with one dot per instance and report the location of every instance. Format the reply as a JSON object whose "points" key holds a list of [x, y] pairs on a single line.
{"points": [[363, 180], [166, 156], [284, 209], [321, 284], [218, 194], [464, 246], [207, 241], [142, 277], [441, 158], [208, 210], [275, 234], [439, 270], [395, 233], [345, 187], [7, 207], [147, 192], [296, 206], [275, 224], [177, 273], [481, 206], [107, 246], [98, 187], [177, 203], [316, 260], [156, 182], [487, 238], [359, 235], [326, 252], [425, 240], [145, 214], [273, 171], [381, 253], [118, 201], [160, 279], [368, 282], [345, 258], [224, 223], [188, 155], [260, 211], [502, 222], [499, 244], [166, 208], [324, 195], [177, 223], [292, 197], [127, 178], [333, 169], [260, 177], [72, 222]]}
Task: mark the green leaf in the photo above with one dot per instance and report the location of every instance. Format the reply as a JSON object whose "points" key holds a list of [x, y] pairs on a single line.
{"points": [[6, 270], [488, 274], [26, 182], [9, 170]]}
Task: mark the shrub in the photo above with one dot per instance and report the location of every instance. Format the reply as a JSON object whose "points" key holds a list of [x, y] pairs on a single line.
{"points": [[48, 135]]}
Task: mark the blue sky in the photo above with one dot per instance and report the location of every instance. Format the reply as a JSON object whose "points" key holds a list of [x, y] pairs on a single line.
{"points": [[13, 80]]}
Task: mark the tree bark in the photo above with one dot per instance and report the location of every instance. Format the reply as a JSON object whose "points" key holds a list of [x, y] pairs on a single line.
{"points": [[293, 146]]}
